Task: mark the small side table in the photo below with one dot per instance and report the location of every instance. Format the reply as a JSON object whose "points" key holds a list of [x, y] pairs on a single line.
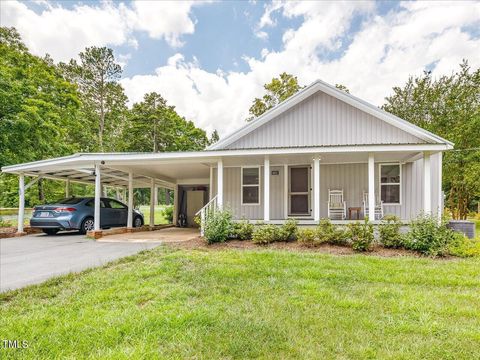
{"points": [[354, 209]]}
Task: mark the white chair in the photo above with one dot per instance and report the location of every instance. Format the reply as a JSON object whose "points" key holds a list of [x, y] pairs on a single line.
{"points": [[337, 207], [378, 207]]}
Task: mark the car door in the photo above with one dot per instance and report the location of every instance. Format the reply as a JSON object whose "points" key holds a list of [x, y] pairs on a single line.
{"points": [[104, 215], [119, 212]]}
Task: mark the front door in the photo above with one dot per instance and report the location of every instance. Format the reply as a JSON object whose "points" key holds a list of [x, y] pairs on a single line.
{"points": [[299, 191], [194, 204]]}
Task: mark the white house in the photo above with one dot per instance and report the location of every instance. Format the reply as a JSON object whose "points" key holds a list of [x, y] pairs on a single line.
{"points": [[321, 153]]}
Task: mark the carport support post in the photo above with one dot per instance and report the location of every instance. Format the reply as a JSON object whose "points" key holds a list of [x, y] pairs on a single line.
{"points": [[152, 203], [371, 187], [130, 201], [21, 202], [98, 194]]}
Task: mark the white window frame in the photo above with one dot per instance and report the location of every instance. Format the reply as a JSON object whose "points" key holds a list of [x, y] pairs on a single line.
{"points": [[251, 185], [399, 183]]}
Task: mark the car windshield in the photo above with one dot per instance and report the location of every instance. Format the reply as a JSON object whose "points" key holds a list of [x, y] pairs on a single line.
{"points": [[69, 201]]}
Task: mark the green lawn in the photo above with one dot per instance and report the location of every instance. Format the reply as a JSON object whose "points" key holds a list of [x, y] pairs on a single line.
{"points": [[251, 304], [159, 218]]}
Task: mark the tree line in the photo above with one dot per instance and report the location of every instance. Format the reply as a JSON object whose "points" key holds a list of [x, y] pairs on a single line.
{"points": [[49, 110]]}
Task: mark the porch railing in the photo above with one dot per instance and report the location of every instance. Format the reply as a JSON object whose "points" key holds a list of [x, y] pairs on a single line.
{"points": [[206, 211]]}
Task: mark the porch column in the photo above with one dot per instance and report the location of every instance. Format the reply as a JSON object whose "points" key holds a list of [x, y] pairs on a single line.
{"points": [[98, 194], [210, 189], [130, 200], [440, 194], [371, 187], [285, 191], [427, 184], [67, 188], [220, 184], [316, 189], [266, 190], [21, 202], [117, 193], [152, 202]]}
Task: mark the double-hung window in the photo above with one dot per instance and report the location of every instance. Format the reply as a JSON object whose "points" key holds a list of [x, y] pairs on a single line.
{"points": [[390, 183], [250, 186]]}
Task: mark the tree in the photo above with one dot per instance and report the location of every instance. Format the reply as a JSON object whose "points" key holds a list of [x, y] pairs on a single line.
{"points": [[342, 87], [97, 75], [278, 90], [38, 111], [155, 126], [213, 138], [450, 107]]}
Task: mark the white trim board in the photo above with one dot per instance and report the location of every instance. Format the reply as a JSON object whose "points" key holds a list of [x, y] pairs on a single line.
{"points": [[111, 159], [338, 94]]}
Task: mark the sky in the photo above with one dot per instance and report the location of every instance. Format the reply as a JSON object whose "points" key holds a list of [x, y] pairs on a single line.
{"points": [[210, 59]]}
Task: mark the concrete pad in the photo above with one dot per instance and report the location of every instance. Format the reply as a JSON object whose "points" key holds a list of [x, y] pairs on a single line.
{"points": [[168, 235]]}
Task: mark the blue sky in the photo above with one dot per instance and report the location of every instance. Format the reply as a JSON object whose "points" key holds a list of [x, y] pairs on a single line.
{"points": [[211, 59]]}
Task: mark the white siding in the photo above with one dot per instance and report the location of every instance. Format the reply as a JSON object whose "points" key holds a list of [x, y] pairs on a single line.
{"points": [[322, 120], [352, 178]]}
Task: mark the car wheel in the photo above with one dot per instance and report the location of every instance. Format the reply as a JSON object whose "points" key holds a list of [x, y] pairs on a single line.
{"points": [[50, 231], [137, 222], [88, 224]]}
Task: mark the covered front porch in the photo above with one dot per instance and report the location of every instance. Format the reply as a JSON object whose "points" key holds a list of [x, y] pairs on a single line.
{"points": [[274, 187]]}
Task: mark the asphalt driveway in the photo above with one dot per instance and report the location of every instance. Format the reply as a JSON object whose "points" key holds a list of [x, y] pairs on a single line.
{"points": [[35, 258]]}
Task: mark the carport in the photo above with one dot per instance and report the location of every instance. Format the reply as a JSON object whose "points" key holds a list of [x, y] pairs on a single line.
{"points": [[121, 171]]}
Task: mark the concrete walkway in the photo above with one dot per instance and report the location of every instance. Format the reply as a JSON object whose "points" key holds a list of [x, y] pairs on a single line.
{"points": [[33, 259], [167, 235]]}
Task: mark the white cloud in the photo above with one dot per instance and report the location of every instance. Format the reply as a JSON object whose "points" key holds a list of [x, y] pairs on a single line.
{"points": [[382, 54], [63, 32]]}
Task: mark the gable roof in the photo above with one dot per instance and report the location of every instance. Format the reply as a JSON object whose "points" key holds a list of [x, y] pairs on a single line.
{"points": [[338, 94]]}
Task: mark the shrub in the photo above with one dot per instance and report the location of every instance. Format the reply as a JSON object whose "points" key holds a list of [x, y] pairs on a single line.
{"points": [[218, 226], [266, 234], [289, 230], [329, 233], [307, 236], [243, 230], [429, 236], [5, 223], [389, 231], [167, 213], [361, 235], [462, 246]]}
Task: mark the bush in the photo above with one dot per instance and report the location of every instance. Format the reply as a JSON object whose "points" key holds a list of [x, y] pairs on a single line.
{"points": [[307, 237], [289, 230], [462, 246], [328, 233], [361, 235], [243, 230], [218, 226], [429, 236], [389, 231], [266, 234], [5, 223], [167, 213]]}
